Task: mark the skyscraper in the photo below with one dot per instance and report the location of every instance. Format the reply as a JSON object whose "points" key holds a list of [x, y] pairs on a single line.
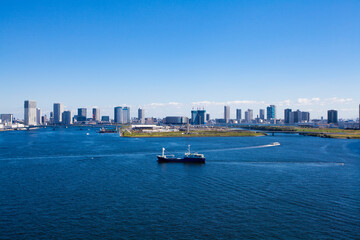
{"points": [[38, 116], [30, 113], [141, 116], [82, 115], [118, 115], [287, 115], [238, 115], [226, 114], [126, 115], [271, 112], [207, 117], [262, 114], [122, 115], [249, 115], [58, 110], [66, 118], [332, 116], [96, 114]]}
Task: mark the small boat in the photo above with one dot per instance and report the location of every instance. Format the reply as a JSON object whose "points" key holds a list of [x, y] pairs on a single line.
{"points": [[188, 158], [276, 143]]}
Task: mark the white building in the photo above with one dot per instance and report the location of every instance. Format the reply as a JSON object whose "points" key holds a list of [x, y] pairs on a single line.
{"points": [[30, 113]]}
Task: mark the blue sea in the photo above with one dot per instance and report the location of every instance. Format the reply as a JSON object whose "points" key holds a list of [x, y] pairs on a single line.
{"points": [[65, 184]]}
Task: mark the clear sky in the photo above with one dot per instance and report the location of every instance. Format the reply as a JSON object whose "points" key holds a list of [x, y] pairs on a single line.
{"points": [[169, 56]]}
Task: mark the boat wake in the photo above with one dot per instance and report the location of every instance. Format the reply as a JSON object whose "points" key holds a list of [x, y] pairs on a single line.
{"points": [[242, 148]]}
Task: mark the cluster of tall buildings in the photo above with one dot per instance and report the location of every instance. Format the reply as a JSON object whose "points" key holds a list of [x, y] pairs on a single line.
{"points": [[292, 117], [32, 116]]}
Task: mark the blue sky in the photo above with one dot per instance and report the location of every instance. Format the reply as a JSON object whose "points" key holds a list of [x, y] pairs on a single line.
{"points": [[170, 56]]}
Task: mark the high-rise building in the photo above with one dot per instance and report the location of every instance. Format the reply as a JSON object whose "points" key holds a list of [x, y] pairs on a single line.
{"points": [[30, 113], [122, 115], [126, 115], [332, 116], [271, 112], [7, 118], [141, 116], [262, 114], [305, 117], [66, 118], [44, 120], [58, 110], [207, 117], [287, 115], [118, 115], [198, 117], [249, 115], [96, 114], [226, 114], [38, 116], [238, 115], [82, 115], [295, 117]]}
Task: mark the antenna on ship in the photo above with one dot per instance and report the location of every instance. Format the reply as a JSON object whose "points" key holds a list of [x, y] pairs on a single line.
{"points": [[163, 152], [189, 148]]}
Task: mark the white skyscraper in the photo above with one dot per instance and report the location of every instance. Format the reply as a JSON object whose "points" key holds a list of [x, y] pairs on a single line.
{"points": [[30, 113], [58, 110]]}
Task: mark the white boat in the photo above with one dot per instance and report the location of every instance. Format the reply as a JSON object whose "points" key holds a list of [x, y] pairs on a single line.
{"points": [[276, 143]]}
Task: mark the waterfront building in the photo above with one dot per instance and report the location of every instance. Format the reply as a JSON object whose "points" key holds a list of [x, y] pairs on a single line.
{"points": [[122, 115], [82, 115], [118, 115], [44, 119], [105, 118], [359, 116], [7, 118], [287, 115], [30, 113], [96, 114], [238, 115], [262, 114], [58, 110], [198, 117], [66, 118], [207, 117], [271, 112], [332, 116], [305, 117], [141, 116], [295, 117], [176, 120], [126, 115], [226, 114], [38, 116], [249, 115]]}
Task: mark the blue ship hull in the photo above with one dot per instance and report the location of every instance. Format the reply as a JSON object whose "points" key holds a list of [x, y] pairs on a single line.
{"points": [[180, 160]]}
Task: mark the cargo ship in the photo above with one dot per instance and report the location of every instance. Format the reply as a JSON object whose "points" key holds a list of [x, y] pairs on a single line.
{"points": [[104, 130], [188, 157]]}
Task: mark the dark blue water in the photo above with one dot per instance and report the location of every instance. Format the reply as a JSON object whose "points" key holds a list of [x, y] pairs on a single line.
{"points": [[65, 184]]}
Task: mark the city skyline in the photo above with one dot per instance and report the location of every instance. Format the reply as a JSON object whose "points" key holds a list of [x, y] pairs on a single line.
{"points": [[246, 55], [216, 108]]}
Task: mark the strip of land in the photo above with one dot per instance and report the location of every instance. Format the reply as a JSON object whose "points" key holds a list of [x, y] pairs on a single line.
{"points": [[195, 133], [315, 132]]}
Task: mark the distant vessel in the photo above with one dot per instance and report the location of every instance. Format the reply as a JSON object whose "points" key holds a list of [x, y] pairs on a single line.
{"points": [[276, 143], [104, 130], [188, 158]]}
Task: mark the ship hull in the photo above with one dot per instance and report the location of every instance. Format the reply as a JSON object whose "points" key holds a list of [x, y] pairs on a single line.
{"points": [[180, 160]]}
